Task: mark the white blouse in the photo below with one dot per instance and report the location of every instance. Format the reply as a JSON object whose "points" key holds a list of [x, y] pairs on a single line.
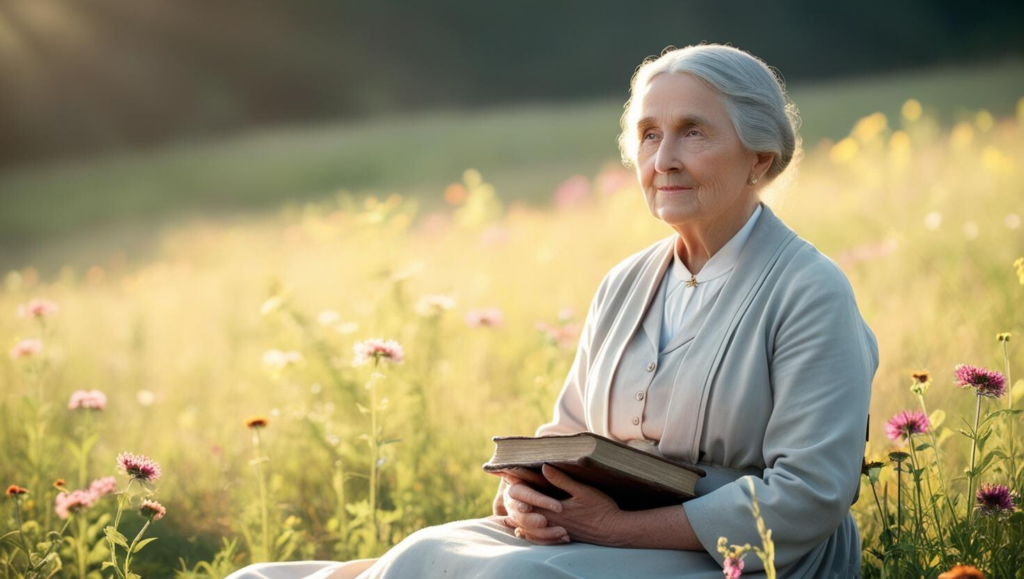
{"points": [[678, 297]]}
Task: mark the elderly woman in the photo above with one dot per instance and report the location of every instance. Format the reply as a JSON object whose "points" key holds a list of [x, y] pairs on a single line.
{"points": [[733, 345]]}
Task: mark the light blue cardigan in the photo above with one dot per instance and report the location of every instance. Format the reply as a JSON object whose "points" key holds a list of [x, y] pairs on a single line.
{"points": [[783, 365]]}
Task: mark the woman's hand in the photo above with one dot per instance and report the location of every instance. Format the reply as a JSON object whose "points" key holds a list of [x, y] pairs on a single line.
{"points": [[520, 502], [588, 516]]}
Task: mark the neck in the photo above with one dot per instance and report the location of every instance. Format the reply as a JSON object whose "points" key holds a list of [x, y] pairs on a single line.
{"points": [[698, 241]]}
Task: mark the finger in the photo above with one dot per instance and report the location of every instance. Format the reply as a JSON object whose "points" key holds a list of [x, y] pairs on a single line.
{"points": [[531, 520], [561, 480], [533, 497], [520, 506], [545, 534], [536, 540]]}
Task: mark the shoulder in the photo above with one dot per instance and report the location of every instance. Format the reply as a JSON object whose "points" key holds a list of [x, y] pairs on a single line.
{"points": [[806, 274], [623, 274]]}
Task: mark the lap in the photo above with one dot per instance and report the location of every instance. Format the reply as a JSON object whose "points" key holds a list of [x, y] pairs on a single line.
{"points": [[484, 548]]}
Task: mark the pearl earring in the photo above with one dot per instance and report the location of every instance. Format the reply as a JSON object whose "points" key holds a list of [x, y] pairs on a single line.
{"points": [[753, 180]]}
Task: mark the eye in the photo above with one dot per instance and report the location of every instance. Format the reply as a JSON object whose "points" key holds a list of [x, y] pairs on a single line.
{"points": [[648, 134], [691, 131]]}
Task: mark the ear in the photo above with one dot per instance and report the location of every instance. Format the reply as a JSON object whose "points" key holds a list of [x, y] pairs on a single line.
{"points": [[762, 163]]}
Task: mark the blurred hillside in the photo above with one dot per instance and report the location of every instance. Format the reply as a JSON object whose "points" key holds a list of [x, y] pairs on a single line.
{"points": [[82, 77]]}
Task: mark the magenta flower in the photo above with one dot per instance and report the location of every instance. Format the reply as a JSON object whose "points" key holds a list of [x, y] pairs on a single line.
{"points": [[66, 504], [26, 348], [905, 424], [994, 499], [37, 308], [986, 382], [138, 467], [488, 317], [564, 336], [732, 568], [377, 349], [103, 486], [88, 400], [152, 509]]}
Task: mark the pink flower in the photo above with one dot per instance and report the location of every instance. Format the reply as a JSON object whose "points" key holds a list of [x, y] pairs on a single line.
{"points": [[986, 382], [732, 567], [489, 317], [87, 399], [37, 308], [103, 486], [905, 424], [994, 499], [377, 349], [563, 336], [138, 467], [67, 504], [572, 192], [152, 509], [26, 348]]}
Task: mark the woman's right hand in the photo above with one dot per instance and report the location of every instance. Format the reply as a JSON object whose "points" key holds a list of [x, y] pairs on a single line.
{"points": [[518, 500]]}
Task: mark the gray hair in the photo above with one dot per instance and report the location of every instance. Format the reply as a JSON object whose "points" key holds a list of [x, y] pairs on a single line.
{"points": [[765, 119]]}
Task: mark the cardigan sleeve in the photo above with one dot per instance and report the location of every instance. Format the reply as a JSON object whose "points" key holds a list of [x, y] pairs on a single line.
{"points": [[569, 414], [823, 360]]}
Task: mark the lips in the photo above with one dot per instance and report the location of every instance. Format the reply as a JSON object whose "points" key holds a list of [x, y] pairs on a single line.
{"points": [[674, 189]]}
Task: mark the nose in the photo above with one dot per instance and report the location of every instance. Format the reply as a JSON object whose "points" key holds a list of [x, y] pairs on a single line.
{"points": [[668, 158]]}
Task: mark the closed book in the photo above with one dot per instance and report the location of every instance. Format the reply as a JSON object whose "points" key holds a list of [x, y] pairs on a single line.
{"points": [[635, 479]]}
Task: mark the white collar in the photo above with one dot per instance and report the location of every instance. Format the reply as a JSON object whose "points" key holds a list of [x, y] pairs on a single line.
{"points": [[723, 261]]}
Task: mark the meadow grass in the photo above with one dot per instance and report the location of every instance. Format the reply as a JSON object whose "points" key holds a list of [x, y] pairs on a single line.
{"points": [[69, 213], [256, 319]]}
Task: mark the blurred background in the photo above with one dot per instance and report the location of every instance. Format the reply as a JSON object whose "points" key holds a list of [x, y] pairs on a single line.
{"points": [[115, 116], [217, 200]]}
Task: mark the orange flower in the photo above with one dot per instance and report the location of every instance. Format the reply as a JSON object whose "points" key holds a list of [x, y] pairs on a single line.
{"points": [[256, 422], [59, 484], [15, 490], [962, 572]]}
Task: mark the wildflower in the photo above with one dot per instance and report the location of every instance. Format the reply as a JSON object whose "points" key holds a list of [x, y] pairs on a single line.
{"points": [[88, 400], [138, 467], [376, 349], [490, 317], [67, 504], [255, 422], [103, 486], [994, 499], [732, 567], [26, 348], [986, 382], [906, 424], [1004, 336], [872, 470], [922, 381], [898, 456], [59, 484], [564, 336], [277, 360], [145, 397], [434, 305], [963, 572], [152, 510], [15, 490], [37, 308]]}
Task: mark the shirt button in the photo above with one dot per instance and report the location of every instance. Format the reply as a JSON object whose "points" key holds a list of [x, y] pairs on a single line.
{"points": [[636, 420], [640, 395], [651, 367]]}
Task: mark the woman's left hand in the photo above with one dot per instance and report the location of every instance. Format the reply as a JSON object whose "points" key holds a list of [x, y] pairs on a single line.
{"points": [[589, 515]]}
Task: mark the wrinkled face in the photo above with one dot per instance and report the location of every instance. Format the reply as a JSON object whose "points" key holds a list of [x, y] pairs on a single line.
{"points": [[690, 162]]}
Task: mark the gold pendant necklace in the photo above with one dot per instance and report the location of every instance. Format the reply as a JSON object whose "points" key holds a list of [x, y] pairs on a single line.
{"points": [[692, 282]]}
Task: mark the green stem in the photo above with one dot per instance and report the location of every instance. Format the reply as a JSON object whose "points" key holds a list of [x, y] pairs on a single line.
{"points": [[970, 474], [1009, 417], [374, 452], [917, 487], [21, 531], [938, 461], [117, 521], [80, 545], [135, 541], [263, 495]]}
